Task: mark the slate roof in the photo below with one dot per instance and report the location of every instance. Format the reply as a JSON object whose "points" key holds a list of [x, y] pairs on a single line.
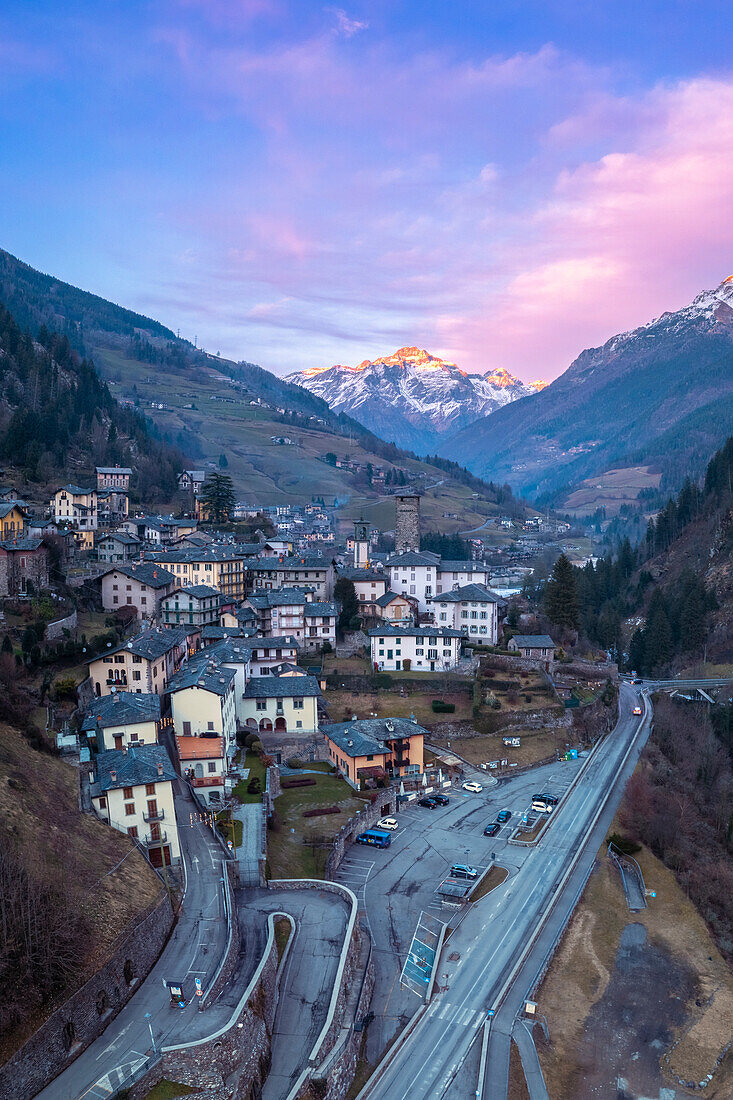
{"points": [[114, 470], [533, 641], [199, 591], [476, 593], [212, 632], [295, 562], [464, 567], [154, 576], [288, 641], [151, 644], [26, 544], [387, 598], [124, 708], [136, 766], [231, 650], [414, 557], [280, 597], [280, 687], [415, 632], [352, 573], [121, 536], [6, 509], [193, 554], [75, 490], [369, 736], [207, 674], [316, 608]]}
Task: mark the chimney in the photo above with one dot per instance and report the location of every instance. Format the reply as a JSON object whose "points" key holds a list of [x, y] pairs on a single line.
{"points": [[160, 769], [113, 775]]}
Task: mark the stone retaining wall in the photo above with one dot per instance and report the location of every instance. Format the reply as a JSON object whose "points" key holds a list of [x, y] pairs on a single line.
{"points": [[232, 953], [57, 628], [386, 805], [84, 1016]]}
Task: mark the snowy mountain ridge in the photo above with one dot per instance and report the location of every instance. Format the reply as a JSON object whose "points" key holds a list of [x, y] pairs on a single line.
{"points": [[411, 395]]}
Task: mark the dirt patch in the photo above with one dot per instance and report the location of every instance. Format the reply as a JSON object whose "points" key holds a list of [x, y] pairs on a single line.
{"points": [[535, 746], [618, 1002], [517, 1082], [489, 882]]}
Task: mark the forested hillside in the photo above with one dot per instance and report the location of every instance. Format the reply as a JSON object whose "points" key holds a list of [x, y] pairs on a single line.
{"points": [[58, 419]]}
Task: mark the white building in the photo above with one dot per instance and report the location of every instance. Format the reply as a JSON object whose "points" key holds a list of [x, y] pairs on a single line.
{"points": [[424, 575], [140, 584], [132, 790], [472, 609], [282, 705], [415, 648]]}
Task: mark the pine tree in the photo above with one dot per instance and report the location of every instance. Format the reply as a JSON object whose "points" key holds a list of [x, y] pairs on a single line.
{"points": [[561, 595], [658, 646], [345, 593], [218, 496]]}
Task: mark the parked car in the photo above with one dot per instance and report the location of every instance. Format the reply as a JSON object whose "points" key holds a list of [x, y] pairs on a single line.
{"points": [[429, 803], [492, 828], [440, 799], [388, 823], [475, 787], [637, 710], [463, 870], [503, 816]]}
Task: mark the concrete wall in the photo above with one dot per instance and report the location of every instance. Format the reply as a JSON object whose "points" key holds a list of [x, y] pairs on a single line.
{"points": [[84, 1016]]}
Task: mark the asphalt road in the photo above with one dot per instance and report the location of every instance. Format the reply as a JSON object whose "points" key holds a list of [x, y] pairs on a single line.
{"points": [[395, 885], [484, 949], [194, 950], [307, 980]]}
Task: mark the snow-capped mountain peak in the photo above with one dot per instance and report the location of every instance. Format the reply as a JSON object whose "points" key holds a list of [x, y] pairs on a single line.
{"points": [[411, 395]]}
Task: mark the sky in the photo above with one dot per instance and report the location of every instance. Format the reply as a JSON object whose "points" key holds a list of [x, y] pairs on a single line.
{"points": [[298, 184]]}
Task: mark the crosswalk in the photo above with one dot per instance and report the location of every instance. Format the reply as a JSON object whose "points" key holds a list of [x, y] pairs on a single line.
{"points": [[458, 1015]]}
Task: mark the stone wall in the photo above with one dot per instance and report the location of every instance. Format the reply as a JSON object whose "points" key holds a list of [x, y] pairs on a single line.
{"points": [[512, 664], [385, 805], [455, 683], [57, 628], [406, 523], [84, 1016]]}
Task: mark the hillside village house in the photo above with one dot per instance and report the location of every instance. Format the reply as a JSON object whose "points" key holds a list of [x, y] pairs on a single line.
{"points": [[203, 762], [220, 567], [144, 664], [282, 704], [195, 605], [158, 531], [369, 585], [118, 546], [76, 508], [473, 609], [12, 520], [396, 609], [419, 648], [132, 790], [294, 612], [113, 486], [191, 481], [116, 478], [123, 719], [236, 655], [537, 647], [24, 564], [298, 570], [269, 652], [202, 699], [141, 585], [424, 575], [375, 748]]}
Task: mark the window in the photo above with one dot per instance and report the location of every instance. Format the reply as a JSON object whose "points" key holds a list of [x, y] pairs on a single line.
{"points": [[298, 704], [412, 589], [464, 614], [262, 704], [186, 729], [212, 766], [103, 803], [132, 832], [299, 725], [150, 788], [129, 809], [114, 587], [209, 725], [127, 792]]}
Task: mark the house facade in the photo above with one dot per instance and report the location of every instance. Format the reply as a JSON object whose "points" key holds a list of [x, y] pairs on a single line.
{"points": [[195, 605], [141, 585], [424, 575], [24, 566], [537, 647], [393, 608], [76, 508], [472, 609], [12, 520], [375, 748], [416, 648], [295, 571], [369, 585], [144, 664], [202, 700], [203, 763], [122, 720], [132, 791], [219, 567], [294, 612], [118, 546]]}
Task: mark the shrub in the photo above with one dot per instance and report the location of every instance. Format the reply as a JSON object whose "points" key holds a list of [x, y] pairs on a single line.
{"points": [[257, 746], [624, 844], [440, 707], [294, 762], [407, 664], [305, 781], [65, 688], [382, 680], [254, 786], [322, 812]]}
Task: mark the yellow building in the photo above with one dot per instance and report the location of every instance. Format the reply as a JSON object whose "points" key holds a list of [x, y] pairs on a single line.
{"points": [[217, 567], [122, 720], [375, 748], [12, 521]]}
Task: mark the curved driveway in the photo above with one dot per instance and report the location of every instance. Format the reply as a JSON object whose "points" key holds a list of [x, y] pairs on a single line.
{"points": [[320, 919]]}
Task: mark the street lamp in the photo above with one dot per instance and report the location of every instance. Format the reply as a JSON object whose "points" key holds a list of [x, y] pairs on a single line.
{"points": [[148, 1017]]}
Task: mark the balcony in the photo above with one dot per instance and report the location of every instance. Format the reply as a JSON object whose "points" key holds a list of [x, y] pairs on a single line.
{"points": [[159, 815], [208, 780], [151, 841]]}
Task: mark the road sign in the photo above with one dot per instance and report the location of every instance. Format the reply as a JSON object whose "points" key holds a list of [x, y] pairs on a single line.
{"points": [[490, 1013], [652, 893]]}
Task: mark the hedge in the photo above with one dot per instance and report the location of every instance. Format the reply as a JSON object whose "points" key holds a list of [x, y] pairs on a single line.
{"points": [[306, 781], [322, 812], [439, 707]]}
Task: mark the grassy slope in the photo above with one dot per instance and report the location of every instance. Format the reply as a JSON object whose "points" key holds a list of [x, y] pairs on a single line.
{"points": [[39, 813], [264, 472]]}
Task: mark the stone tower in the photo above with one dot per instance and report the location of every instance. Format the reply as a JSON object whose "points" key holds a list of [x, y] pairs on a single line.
{"points": [[407, 521], [361, 544]]}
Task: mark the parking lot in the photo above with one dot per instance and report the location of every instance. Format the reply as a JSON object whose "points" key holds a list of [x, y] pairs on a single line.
{"points": [[396, 884]]}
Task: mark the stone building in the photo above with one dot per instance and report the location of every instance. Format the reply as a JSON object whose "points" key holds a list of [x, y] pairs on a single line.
{"points": [[407, 522]]}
